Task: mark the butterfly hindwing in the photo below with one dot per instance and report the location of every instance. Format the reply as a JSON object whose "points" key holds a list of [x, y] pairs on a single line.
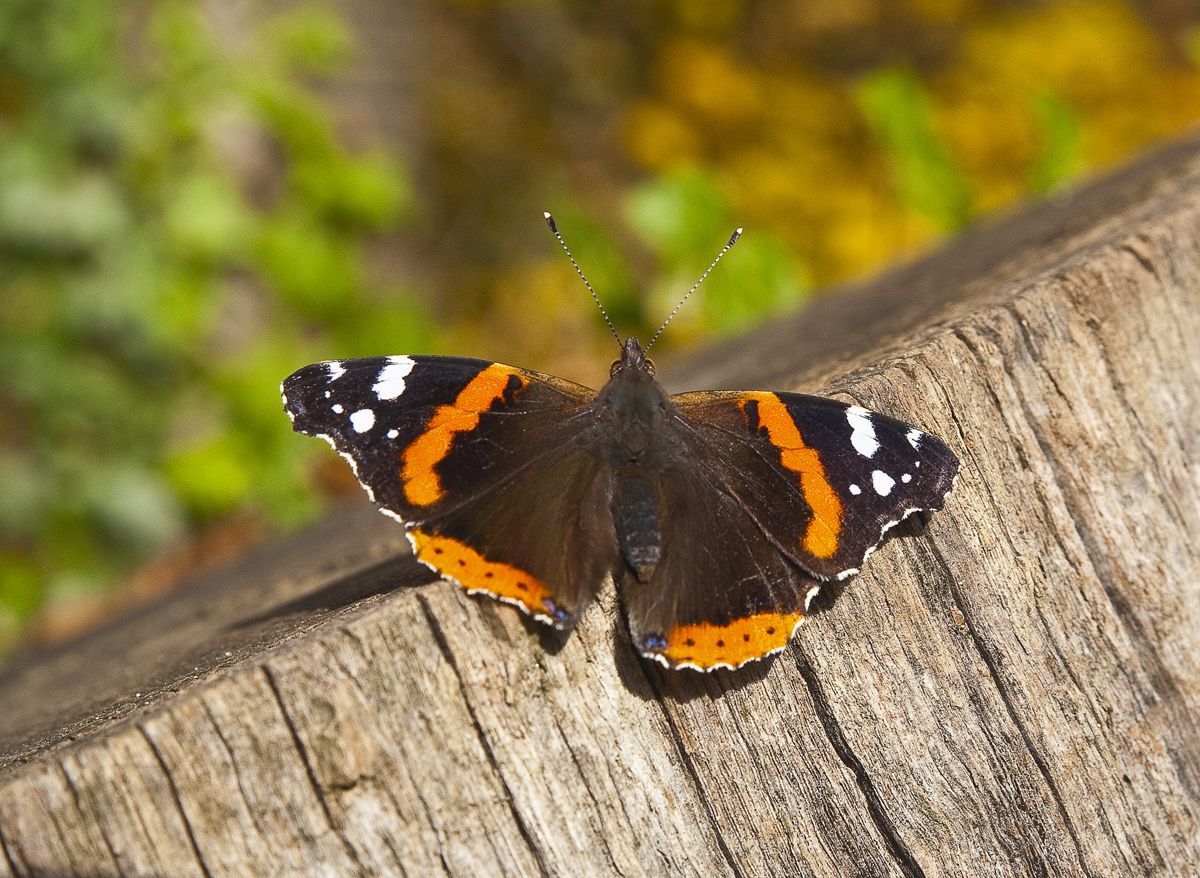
{"points": [[721, 593], [440, 443], [549, 528]]}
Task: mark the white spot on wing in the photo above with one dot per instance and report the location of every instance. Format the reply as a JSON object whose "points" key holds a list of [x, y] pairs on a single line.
{"points": [[882, 483], [855, 490], [906, 478], [862, 436], [336, 370], [392, 434], [914, 437], [337, 408], [362, 420], [390, 382], [846, 574]]}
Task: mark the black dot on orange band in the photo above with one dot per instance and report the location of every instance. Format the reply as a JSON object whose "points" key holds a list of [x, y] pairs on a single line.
{"points": [[522, 586], [732, 645], [489, 574], [437, 551]]}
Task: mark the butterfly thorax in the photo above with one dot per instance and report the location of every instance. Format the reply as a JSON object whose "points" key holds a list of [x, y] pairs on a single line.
{"points": [[635, 417], [634, 412]]}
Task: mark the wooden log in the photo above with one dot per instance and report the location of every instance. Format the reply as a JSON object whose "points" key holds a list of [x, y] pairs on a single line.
{"points": [[1011, 687]]}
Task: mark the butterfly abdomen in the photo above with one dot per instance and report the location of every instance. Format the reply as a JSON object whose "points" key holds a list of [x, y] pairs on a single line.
{"points": [[636, 515]]}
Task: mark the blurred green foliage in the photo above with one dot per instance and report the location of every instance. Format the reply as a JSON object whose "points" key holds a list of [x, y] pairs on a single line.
{"points": [[927, 181], [684, 217], [180, 225], [859, 132], [150, 297]]}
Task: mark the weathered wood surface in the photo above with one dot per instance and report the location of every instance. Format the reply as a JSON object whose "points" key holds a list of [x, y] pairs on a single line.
{"points": [[1012, 688]]}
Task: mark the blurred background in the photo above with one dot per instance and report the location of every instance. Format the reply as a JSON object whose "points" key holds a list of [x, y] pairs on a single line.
{"points": [[197, 198]]}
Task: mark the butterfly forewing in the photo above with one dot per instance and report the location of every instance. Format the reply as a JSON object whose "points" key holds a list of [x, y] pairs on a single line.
{"points": [[823, 479], [402, 422]]}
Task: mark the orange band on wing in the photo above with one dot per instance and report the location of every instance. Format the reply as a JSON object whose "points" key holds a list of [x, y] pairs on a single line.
{"points": [[476, 573], [821, 538], [706, 646], [422, 487]]}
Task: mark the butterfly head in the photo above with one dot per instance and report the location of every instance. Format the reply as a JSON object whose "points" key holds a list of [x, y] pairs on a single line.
{"points": [[633, 361]]}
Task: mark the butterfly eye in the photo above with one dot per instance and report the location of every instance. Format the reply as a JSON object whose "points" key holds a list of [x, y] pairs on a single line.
{"points": [[613, 367]]}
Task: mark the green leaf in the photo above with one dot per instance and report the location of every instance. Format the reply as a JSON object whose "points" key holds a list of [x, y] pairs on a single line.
{"points": [[134, 508], [400, 324], [206, 219], [679, 215], [314, 271], [27, 497], [686, 220], [603, 263], [1061, 153], [313, 37], [371, 191], [55, 213], [928, 182], [755, 279], [21, 586], [212, 478]]}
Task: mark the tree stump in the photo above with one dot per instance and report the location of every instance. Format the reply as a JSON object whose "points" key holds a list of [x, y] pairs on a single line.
{"points": [[1011, 686]]}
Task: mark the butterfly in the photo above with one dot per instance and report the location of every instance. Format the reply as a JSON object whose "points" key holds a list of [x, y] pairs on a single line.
{"points": [[718, 513]]}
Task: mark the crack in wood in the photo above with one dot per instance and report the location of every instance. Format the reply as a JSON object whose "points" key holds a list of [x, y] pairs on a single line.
{"points": [[979, 642], [174, 790], [79, 809], [685, 759], [984, 652], [448, 656], [357, 645], [302, 754], [1142, 259], [1165, 689], [247, 801], [596, 805], [12, 865], [895, 846]]}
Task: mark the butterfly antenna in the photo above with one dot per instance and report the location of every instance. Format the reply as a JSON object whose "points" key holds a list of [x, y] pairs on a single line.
{"points": [[579, 271], [732, 240]]}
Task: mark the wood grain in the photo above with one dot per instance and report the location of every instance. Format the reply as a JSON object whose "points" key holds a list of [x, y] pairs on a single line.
{"points": [[1011, 687]]}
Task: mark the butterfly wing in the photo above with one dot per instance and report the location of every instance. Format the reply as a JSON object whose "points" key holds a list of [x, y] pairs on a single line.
{"points": [[779, 492], [442, 443], [826, 479], [721, 594]]}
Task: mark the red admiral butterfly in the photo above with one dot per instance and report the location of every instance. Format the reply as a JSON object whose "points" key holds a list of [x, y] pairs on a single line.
{"points": [[718, 513]]}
